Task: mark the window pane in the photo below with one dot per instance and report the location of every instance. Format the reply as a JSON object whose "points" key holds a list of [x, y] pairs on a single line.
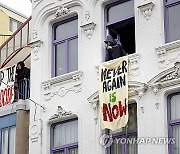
{"points": [[176, 135], [4, 141], [12, 140], [175, 106], [116, 147], [73, 55], [73, 151], [121, 11], [131, 145], [66, 133], [60, 59], [174, 23], [132, 122], [66, 29]]}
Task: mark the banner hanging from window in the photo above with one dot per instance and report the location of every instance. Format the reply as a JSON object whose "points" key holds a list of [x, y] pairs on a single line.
{"points": [[7, 79], [113, 93]]}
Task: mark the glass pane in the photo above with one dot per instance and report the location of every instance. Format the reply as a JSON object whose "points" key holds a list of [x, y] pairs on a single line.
{"points": [[121, 11], [66, 30], [60, 59], [176, 135], [132, 122], [66, 133], [175, 106], [73, 151], [131, 145], [116, 147], [73, 55], [12, 140], [174, 23], [4, 141], [59, 152]]}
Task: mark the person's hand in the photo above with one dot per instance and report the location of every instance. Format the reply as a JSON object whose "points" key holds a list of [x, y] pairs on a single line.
{"points": [[109, 47]]}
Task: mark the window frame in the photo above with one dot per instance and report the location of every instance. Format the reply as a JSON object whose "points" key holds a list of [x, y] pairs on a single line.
{"points": [[123, 134], [171, 122], [166, 15], [60, 41], [65, 147], [8, 121]]}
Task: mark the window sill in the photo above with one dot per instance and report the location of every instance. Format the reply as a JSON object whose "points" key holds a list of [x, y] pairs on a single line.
{"points": [[61, 85], [168, 54]]}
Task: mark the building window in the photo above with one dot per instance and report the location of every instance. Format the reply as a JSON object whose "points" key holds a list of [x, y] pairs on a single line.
{"points": [[172, 20], [65, 46], [14, 24], [120, 23], [129, 133], [7, 134], [174, 122], [64, 138]]}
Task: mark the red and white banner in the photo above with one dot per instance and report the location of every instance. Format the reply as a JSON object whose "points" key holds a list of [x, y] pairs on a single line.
{"points": [[113, 93], [7, 79]]}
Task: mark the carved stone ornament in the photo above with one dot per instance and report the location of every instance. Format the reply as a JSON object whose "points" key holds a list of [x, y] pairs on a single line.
{"points": [[134, 64], [168, 53], [89, 29], [34, 34], [146, 9], [87, 15], [36, 131], [60, 83], [61, 11], [35, 46], [169, 77], [60, 114], [94, 100]]}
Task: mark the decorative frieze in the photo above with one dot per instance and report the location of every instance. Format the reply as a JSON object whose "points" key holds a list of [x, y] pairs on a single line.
{"points": [[89, 29], [60, 114], [146, 10], [59, 85], [168, 53], [61, 11]]}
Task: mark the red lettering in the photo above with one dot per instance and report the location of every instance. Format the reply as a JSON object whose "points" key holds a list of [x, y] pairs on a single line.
{"points": [[107, 112], [115, 116]]}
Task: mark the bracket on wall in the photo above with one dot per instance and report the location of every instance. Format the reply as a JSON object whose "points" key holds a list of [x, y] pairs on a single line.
{"points": [[88, 29], [146, 9]]}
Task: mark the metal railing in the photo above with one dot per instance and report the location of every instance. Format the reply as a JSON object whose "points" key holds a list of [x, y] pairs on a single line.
{"points": [[22, 89], [17, 41], [3, 38]]}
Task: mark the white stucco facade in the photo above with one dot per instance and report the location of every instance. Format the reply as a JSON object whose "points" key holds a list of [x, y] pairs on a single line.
{"points": [[152, 75]]}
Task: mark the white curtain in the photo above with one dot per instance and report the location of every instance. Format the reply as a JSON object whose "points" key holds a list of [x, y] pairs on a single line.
{"points": [[73, 151], [12, 140], [176, 135], [4, 141], [131, 148], [59, 152], [116, 148], [175, 106], [66, 133]]}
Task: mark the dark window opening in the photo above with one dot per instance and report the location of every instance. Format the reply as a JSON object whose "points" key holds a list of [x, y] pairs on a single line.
{"points": [[125, 32]]}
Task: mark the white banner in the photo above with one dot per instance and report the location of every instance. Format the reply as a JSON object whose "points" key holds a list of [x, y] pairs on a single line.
{"points": [[7, 79], [113, 93]]}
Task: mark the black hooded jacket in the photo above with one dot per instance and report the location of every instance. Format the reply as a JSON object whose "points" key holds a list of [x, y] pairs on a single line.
{"points": [[22, 73], [116, 51]]}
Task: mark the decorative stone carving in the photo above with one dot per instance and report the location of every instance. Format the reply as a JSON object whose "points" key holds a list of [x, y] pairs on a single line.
{"points": [[157, 105], [89, 29], [35, 49], [134, 64], [87, 15], [146, 9], [168, 53], [166, 78], [34, 34], [36, 131], [142, 109], [60, 113], [61, 11], [49, 86]]}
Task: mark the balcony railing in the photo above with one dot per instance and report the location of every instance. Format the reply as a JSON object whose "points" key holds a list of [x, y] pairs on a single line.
{"points": [[22, 89], [17, 41]]}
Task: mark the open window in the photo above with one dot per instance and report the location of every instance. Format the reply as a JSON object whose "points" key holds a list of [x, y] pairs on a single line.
{"points": [[120, 23]]}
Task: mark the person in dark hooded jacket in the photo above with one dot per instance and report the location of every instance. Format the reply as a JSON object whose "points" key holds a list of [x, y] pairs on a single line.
{"points": [[22, 71], [23, 76], [113, 49]]}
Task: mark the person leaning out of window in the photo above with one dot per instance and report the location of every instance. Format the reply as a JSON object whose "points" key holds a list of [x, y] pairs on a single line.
{"points": [[113, 49]]}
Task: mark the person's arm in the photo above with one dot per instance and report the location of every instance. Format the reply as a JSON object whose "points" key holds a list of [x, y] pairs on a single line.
{"points": [[27, 73]]}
